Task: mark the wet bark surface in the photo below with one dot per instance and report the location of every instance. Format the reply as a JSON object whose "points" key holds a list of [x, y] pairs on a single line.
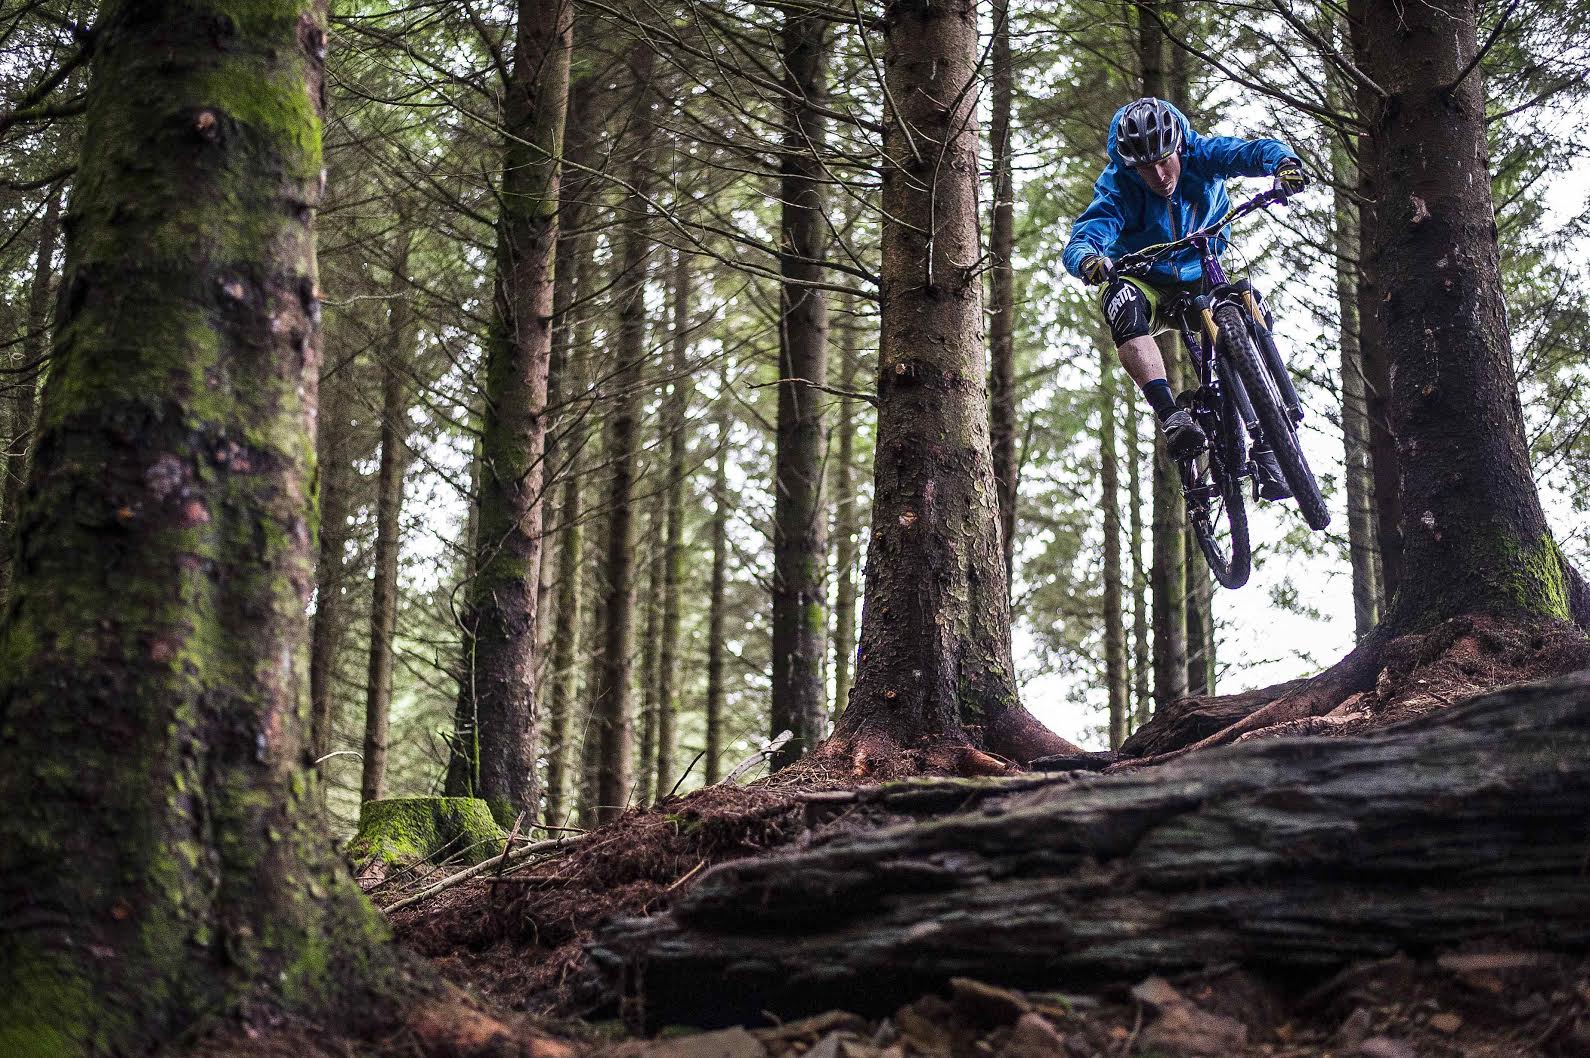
{"points": [[1290, 855]]}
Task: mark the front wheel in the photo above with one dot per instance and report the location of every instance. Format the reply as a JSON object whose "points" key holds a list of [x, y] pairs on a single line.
{"points": [[1235, 348], [1211, 485]]}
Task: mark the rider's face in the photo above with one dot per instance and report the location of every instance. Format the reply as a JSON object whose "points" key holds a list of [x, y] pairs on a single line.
{"points": [[1161, 176]]}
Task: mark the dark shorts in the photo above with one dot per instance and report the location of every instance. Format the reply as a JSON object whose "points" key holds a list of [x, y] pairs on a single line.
{"points": [[1132, 307]]}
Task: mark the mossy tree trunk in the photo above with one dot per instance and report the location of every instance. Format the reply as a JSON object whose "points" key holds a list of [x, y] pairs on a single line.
{"points": [[395, 368], [1142, 658], [1474, 537], [23, 385], [800, 530], [495, 758], [162, 855], [935, 666]]}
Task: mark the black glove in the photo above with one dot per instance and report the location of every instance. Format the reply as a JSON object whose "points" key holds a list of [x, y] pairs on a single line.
{"points": [[1289, 177], [1097, 269]]}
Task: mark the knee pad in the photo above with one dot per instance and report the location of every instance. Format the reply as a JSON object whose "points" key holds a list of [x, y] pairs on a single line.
{"points": [[1127, 311]]}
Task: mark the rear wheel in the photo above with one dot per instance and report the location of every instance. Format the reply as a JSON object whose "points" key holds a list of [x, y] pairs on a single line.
{"points": [[1236, 349], [1212, 487]]}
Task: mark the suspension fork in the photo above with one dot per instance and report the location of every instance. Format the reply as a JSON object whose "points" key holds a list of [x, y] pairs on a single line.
{"points": [[1261, 324]]}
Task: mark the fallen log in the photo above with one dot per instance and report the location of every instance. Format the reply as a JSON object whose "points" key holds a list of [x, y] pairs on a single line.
{"points": [[1287, 854]]}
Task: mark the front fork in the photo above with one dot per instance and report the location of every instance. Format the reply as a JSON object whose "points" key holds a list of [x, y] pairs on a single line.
{"points": [[1260, 329]]}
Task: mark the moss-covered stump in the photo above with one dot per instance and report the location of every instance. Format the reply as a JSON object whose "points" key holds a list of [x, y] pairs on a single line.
{"points": [[404, 830]]}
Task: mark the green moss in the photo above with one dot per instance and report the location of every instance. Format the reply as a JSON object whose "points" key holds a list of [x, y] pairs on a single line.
{"points": [[405, 830], [49, 1008], [1541, 581]]}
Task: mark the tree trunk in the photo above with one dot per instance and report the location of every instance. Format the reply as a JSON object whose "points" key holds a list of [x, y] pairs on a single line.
{"points": [[1200, 618], [847, 522], [576, 275], [1142, 659], [1474, 538], [1359, 480], [496, 758], [800, 546], [613, 721], [1467, 828], [1374, 356], [717, 602], [1168, 581], [1115, 678], [675, 414], [161, 852], [646, 766], [935, 665], [1152, 48], [337, 474], [1002, 288], [389, 530], [24, 385]]}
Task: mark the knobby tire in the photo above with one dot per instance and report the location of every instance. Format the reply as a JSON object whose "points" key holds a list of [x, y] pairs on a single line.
{"points": [[1227, 433], [1236, 347]]}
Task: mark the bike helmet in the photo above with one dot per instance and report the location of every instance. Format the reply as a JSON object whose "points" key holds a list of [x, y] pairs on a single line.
{"points": [[1149, 130]]}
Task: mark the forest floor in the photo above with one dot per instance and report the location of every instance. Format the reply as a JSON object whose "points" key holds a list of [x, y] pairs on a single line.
{"points": [[517, 938], [516, 934]]}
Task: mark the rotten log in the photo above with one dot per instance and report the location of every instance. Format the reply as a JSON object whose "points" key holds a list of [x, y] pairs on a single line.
{"points": [[1291, 855]]}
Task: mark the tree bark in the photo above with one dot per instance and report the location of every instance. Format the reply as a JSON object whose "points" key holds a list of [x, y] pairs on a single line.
{"points": [[847, 520], [1359, 479], [1474, 538], [1115, 678], [717, 601], [1142, 658], [161, 807], [676, 411], [495, 759], [646, 766], [389, 530], [1002, 288], [335, 460], [24, 385], [613, 720], [800, 546], [1167, 579], [1374, 356], [935, 664], [1284, 855], [1200, 618], [574, 277]]}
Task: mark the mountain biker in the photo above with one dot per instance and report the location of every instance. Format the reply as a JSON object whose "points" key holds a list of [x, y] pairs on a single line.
{"points": [[1163, 181]]}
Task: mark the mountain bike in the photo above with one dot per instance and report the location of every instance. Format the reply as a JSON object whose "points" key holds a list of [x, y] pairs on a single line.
{"points": [[1242, 391]]}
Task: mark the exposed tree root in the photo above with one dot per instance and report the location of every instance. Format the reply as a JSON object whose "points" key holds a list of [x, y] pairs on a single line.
{"points": [[1389, 677], [873, 757]]}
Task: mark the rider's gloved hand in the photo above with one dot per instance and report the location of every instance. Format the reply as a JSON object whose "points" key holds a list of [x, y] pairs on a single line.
{"points": [[1097, 269], [1289, 177]]}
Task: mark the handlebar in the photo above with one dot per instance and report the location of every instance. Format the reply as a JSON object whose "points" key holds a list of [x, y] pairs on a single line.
{"points": [[1140, 261]]}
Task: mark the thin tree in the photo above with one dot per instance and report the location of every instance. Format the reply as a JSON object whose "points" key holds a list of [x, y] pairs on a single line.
{"points": [[388, 527], [1002, 287], [612, 719], [717, 601], [847, 522], [494, 756], [800, 546], [1116, 685], [675, 413]]}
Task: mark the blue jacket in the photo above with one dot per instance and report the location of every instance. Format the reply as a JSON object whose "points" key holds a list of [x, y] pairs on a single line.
{"points": [[1125, 215]]}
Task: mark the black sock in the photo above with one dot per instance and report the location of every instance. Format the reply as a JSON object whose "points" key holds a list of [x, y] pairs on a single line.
{"points": [[1160, 398]]}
